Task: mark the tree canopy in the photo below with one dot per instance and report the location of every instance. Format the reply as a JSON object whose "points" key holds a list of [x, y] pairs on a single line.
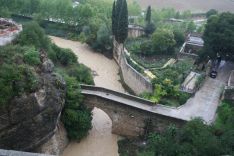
{"points": [[163, 41], [121, 20], [219, 35]]}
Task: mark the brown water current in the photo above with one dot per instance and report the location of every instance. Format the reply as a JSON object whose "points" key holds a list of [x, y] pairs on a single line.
{"points": [[100, 141]]}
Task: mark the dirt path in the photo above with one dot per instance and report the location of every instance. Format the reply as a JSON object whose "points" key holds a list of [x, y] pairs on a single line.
{"points": [[100, 141]]}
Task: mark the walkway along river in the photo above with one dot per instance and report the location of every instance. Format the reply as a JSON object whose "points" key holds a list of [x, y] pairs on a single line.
{"points": [[100, 141]]}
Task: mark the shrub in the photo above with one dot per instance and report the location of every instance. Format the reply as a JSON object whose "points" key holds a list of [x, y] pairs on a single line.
{"points": [[149, 29], [16, 80], [76, 117], [34, 35], [163, 41], [31, 56], [64, 56], [81, 73], [183, 97]]}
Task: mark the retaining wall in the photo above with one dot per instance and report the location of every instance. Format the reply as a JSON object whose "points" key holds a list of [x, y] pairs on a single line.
{"points": [[132, 78]]}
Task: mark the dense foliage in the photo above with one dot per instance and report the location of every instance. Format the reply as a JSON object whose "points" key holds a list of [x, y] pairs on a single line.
{"points": [[163, 41], [219, 36], [64, 18], [167, 84], [194, 138], [17, 72], [18, 76]]}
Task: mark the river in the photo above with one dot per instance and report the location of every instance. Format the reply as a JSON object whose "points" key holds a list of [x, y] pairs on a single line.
{"points": [[100, 141]]}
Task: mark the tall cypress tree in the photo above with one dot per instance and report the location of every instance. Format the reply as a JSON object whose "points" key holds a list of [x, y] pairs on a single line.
{"points": [[148, 15], [114, 18], [122, 21]]}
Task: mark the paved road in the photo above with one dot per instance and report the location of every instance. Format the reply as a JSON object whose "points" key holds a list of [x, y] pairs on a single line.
{"points": [[204, 104]]}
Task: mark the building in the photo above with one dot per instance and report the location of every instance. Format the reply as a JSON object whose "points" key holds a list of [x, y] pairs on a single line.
{"points": [[192, 45]]}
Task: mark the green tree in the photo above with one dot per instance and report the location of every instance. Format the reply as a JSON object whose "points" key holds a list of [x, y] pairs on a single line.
{"points": [[148, 15], [114, 18], [34, 35], [163, 41], [76, 117], [122, 21], [191, 26], [219, 36], [179, 37], [149, 28], [211, 12]]}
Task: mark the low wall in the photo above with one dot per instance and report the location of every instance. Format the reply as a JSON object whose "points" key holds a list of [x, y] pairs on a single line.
{"points": [[19, 153], [135, 31], [132, 78]]}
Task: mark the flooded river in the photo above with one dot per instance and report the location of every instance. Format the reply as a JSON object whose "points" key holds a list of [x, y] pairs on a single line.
{"points": [[100, 141]]}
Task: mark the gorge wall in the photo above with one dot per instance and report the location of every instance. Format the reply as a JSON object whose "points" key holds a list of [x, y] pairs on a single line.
{"points": [[30, 120]]}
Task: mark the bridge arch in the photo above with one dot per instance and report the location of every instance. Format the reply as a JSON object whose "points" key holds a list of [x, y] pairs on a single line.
{"points": [[128, 113]]}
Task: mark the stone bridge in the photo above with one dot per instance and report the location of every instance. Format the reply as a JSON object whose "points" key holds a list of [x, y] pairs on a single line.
{"points": [[131, 116], [19, 153]]}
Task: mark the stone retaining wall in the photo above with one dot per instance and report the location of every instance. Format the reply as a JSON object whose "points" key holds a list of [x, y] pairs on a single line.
{"points": [[132, 78], [19, 153]]}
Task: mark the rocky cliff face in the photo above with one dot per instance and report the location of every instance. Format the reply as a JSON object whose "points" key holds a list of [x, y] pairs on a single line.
{"points": [[31, 119]]}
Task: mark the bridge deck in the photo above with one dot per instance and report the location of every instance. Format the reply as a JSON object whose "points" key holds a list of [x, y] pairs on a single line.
{"points": [[19, 153], [204, 104], [159, 109]]}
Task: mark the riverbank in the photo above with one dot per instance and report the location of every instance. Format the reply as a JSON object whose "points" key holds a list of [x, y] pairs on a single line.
{"points": [[100, 141]]}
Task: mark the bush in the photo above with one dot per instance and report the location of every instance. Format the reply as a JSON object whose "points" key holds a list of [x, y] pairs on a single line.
{"points": [[31, 56], [163, 41], [81, 73], [183, 97], [149, 29], [34, 35], [64, 56], [211, 12], [76, 117], [16, 80]]}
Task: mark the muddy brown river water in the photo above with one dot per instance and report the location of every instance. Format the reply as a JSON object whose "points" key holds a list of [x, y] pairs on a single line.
{"points": [[100, 141]]}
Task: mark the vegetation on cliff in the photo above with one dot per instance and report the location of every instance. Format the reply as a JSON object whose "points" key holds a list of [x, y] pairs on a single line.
{"points": [[17, 72], [19, 63]]}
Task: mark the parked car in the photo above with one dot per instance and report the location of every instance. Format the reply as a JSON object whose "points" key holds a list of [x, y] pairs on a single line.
{"points": [[213, 74]]}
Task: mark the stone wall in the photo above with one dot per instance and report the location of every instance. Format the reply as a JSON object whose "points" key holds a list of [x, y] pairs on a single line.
{"points": [[135, 31], [18, 153], [229, 89], [129, 120], [132, 78]]}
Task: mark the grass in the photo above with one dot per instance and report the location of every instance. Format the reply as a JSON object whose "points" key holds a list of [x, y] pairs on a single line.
{"points": [[156, 61]]}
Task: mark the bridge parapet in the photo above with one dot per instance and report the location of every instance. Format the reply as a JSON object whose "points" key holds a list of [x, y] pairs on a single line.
{"points": [[127, 96], [19, 153], [130, 115]]}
